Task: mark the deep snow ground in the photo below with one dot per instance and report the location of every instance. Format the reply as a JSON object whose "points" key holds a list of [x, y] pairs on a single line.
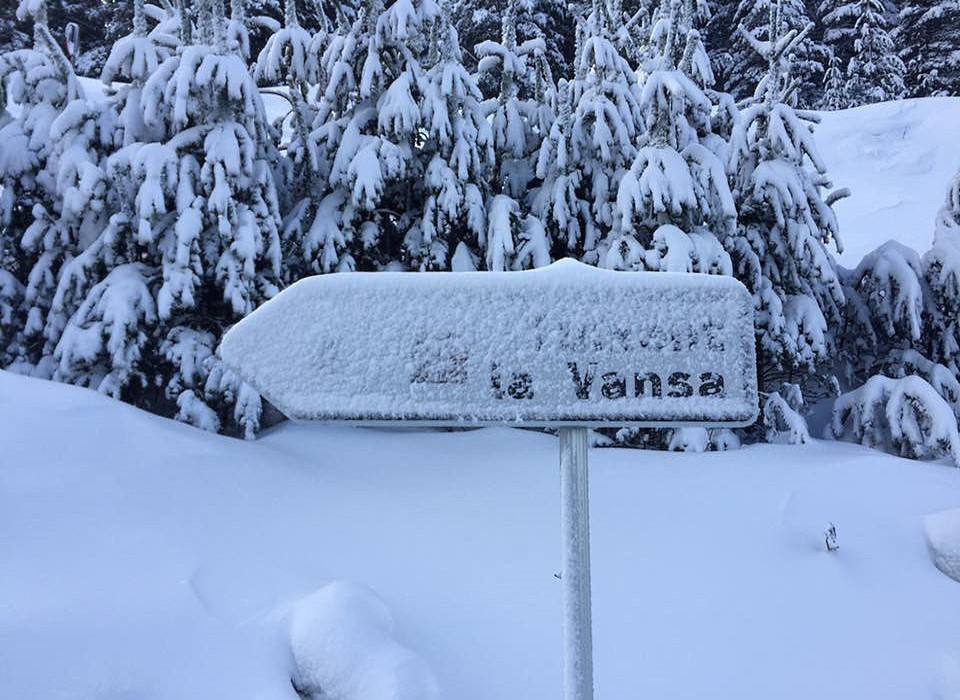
{"points": [[143, 559]]}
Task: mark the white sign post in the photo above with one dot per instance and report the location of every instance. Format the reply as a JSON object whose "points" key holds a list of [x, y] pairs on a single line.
{"points": [[567, 346]]}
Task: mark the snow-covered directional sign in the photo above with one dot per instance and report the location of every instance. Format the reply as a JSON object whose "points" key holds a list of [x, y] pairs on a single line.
{"points": [[564, 345]]}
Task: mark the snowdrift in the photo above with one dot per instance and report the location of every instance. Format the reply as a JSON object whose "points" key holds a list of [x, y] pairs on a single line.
{"points": [[146, 559]]}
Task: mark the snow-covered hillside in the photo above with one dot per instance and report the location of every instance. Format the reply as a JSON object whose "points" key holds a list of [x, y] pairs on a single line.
{"points": [[897, 158], [146, 559]]}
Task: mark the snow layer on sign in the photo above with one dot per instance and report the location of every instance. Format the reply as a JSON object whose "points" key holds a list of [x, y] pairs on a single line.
{"points": [[344, 649], [564, 344], [943, 537]]}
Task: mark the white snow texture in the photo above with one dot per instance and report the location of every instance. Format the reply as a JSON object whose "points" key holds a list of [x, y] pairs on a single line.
{"points": [[567, 343], [943, 537], [343, 646]]}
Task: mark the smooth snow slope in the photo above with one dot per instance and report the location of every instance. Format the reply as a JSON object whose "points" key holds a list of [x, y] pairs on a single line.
{"points": [[897, 158], [142, 559]]}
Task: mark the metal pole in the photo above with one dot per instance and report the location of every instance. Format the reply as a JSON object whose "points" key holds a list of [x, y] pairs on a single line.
{"points": [[575, 576]]}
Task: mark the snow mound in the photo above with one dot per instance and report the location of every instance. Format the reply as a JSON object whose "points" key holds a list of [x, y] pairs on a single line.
{"points": [[344, 649], [943, 538]]}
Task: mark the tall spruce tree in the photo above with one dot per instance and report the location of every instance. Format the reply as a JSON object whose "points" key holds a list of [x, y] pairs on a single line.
{"points": [[857, 31], [455, 163], [366, 134], [942, 273], [290, 57], [104, 295], [520, 115], [786, 222], [929, 40], [875, 72], [834, 86], [34, 241], [198, 250], [592, 144], [674, 204], [739, 68]]}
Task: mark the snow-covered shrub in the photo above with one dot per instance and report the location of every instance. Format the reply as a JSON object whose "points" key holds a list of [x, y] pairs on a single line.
{"points": [[884, 313], [903, 363], [941, 269], [701, 439], [689, 440], [783, 421], [904, 416]]}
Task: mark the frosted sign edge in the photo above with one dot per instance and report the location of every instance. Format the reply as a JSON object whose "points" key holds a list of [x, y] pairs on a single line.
{"points": [[739, 410]]}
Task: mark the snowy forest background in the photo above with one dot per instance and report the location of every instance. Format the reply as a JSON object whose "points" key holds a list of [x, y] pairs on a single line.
{"points": [[140, 219]]}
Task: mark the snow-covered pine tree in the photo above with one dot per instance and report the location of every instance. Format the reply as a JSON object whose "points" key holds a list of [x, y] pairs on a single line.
{"points": [[834, 86], [520, 115], [134, 58], [34, 241], [884, 314], [874, 72], [592, 143], [104, 302], [786, 223], [837, 19], [737, 65], [478, 21], [941, 270], [928, 36], [456, 155], [366, 135], [674, 206], [204, 236], [905, 416], [290, 58]]}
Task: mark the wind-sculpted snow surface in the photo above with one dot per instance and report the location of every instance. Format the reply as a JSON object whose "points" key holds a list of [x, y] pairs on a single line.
{"points": [[565, 344]]}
